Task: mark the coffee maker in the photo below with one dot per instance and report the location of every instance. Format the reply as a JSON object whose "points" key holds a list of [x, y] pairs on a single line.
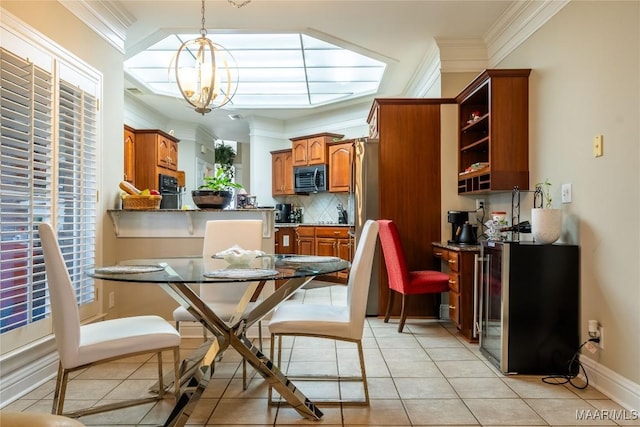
{"points": [[283, 212], [457, 219]]}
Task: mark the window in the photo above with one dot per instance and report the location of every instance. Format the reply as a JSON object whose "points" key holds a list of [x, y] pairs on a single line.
{"points": [[48, 172]]}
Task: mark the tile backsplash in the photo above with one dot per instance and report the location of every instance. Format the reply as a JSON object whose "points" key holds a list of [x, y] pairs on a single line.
{"points": [[322, 207]]}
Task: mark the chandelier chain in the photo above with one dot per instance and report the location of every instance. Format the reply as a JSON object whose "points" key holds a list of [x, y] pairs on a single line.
{"points": [[203, 30]]}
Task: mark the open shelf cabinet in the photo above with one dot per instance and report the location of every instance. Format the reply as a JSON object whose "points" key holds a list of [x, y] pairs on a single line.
{"points": [[494, 132]]}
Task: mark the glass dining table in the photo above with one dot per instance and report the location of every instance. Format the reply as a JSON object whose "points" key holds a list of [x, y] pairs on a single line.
{"points": [[176, 277]]}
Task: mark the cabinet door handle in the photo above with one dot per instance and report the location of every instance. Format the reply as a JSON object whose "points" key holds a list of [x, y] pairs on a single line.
{"points": [[451, 261], [452, 307], [438, 254], [452, 282]]}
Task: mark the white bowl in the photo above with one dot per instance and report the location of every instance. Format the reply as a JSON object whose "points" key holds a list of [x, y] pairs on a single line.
{"points": [[240, 259]]}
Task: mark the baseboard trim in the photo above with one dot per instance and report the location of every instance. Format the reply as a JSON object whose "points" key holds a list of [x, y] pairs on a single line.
{"points": [[23, 371], [618, 388]]}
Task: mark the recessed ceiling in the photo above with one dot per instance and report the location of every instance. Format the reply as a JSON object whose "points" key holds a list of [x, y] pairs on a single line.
{"points": [[281, 70]]}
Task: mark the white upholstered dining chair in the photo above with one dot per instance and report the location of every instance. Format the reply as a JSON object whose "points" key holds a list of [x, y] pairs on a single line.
{"points": [[223, 298], [81, 346], [336, 322]]}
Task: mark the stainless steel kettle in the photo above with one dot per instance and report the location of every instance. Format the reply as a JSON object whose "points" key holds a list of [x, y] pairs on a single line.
{"points": [[468, 235]]}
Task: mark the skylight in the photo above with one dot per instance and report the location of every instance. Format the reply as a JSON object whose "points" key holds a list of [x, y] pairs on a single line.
{"points": [[275, 70]]}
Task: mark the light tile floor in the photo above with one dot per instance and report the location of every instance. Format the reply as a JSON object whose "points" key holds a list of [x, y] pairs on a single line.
{"points": [[426, 376]]}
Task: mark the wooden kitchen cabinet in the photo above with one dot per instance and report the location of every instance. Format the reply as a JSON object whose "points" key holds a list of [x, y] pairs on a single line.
{"points": [[312, 149], [335, 241], [494, 132], [129, 154], [326, 241], [284, 243], [156, 152], [464, 294], [408, 187], [306, 240], [340, 166], [281, 173], [285, 240]]}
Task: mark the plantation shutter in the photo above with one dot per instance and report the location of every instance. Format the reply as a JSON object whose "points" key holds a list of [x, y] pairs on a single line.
{"points": [[77, 175], [26, 191], [48, 172]]}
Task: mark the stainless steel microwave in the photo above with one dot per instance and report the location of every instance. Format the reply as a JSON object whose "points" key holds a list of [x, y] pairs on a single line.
{"points": [[310, 179]]}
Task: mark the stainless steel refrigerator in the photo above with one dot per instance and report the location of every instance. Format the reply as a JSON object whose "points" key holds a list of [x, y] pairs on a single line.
{"points": [[365, 203]]}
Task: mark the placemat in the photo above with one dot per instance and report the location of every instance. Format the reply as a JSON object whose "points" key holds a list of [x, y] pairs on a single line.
{"points": [[241, 273], [310, 259], [127, 269]]}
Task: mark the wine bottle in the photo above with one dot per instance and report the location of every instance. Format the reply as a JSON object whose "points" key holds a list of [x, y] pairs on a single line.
{"points": [[523, 227]]}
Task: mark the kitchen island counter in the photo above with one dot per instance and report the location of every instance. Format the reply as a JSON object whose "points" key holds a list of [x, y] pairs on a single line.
{"points": [[310, 224], [181, 223]]}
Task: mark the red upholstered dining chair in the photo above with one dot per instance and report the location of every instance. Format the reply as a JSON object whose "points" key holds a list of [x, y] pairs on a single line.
{"points": [[401, 280]]}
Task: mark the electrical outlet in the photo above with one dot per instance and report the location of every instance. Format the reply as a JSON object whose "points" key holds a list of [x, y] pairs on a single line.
{"points": [[479, 204], [112, 299], [601, 336]]}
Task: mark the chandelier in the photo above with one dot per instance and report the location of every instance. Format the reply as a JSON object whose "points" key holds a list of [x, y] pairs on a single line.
{"points": [[206, 72]]}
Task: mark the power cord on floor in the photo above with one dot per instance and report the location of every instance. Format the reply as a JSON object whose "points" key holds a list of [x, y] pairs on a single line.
{"points": [[568, 378]]}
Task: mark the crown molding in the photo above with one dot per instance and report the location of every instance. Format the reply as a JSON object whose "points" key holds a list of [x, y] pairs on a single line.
{"points": [[517, 24], [108, 19], [462, 55], [426, 75]]}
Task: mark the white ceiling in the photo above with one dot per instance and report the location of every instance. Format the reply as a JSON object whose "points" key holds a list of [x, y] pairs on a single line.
{"points": [[400, 33]]}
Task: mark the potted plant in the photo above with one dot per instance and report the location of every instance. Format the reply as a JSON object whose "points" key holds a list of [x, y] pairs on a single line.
{"points": [[216, 192], [546, 222], [224, 155]]}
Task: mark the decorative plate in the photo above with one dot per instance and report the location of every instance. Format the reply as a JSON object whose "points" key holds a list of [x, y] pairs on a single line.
{"points": [[127, 269], [241, 273], [310, 259]]}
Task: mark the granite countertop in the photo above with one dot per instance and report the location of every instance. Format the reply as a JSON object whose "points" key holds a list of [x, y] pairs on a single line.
{"points": [[456, 247], [193, 210], [310, 224]]}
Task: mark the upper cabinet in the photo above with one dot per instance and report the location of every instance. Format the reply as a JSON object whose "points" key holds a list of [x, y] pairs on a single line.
{"points": [[312, 149], [340, 156], [129, 155], [493, 137], [155, 153], [282, 173]]}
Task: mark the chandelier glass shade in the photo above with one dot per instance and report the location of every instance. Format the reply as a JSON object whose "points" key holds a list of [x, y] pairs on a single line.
{"points": [[206, 73]]}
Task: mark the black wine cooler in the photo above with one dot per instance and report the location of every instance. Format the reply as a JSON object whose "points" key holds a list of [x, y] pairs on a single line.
{"points": [[529, 310]]}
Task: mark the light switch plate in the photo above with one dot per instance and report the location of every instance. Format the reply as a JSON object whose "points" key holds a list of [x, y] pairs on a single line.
{"points": [[598, 149], [566, 193]]}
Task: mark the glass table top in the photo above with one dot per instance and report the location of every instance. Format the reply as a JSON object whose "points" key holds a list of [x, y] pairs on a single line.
{"points": [[203, 270]]}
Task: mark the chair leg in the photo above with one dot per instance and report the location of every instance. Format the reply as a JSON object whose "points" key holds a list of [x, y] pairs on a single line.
{"points": [[403, 313], [61, 388], [271, 354], [160, 377], [389, 305], [363, 372], [176, 372]]}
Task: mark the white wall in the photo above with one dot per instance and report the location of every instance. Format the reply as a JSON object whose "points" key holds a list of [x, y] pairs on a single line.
{"points": [[586, 81]]}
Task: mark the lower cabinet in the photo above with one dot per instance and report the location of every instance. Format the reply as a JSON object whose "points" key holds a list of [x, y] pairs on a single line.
{"points": [[285, 243], [326, 241], [306, 240], [464, 295], [334, 241]]}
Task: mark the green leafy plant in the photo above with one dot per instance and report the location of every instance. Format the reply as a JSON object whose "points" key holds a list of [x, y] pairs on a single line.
{"points": [[221, 181], [225, 155], [544, 189]]}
